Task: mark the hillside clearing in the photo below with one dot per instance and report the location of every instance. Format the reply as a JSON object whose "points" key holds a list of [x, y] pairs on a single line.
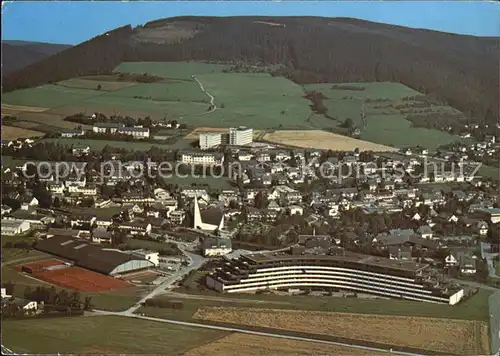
{"points": [[253, 345], [442, 335], [323, 140]]}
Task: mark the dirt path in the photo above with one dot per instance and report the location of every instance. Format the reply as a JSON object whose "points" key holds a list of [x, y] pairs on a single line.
{"points": [[212, 99]]}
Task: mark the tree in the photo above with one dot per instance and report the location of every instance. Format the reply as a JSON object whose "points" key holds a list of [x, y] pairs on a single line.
{"points": [[99, 87], [9, 287], [347, 123]]}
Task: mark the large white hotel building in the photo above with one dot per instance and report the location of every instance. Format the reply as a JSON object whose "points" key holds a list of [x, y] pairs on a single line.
{"points": [[344, 270]]}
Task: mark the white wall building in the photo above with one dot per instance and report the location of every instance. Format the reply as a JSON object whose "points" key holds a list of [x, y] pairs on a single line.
{"points": [[135, 132], [209, 140], [240, 136], [14, 226], [151, 256], [202, 158]]}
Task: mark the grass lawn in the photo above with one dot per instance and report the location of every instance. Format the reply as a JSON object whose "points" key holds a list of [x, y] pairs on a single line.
{"points": [[476, 308], [116, 300], [49, 96], [173, 70], [147, 245], [103, 335]]}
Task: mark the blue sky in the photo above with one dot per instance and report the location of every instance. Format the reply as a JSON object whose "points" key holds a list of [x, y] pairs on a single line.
{"points": [[73, 22]]}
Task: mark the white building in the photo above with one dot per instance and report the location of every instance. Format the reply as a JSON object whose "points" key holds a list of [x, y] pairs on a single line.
{"points": [[14, 226], [135, 132], [151, 256], [216, 247], [240, 136], [202, 158], [209, 140], [106, 127]]}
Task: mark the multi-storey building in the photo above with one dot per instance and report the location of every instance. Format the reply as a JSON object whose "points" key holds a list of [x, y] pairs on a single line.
{"points": [[240, 136], [340, 271], [209, 140], [202, 158]]}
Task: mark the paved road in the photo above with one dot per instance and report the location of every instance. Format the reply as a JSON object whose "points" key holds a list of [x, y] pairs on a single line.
{"points": [[196, 261], [244, 331], [474, 284], [488, 256]]}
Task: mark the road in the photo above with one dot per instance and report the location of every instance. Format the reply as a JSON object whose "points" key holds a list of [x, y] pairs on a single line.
{"points": [[474, 284], [196, 261], [212, 99], [488, 256], [250, 332]]}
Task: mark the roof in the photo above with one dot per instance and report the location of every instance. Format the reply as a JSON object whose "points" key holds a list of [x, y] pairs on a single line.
{"points": [[212, 216], [85, 255], [367, 260]]}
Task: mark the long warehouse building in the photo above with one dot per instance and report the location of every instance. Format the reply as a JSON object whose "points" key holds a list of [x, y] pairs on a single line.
{"points": [[342, 270]]}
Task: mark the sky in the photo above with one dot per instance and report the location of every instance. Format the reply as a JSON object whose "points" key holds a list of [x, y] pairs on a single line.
{"points": [[73, 22]]}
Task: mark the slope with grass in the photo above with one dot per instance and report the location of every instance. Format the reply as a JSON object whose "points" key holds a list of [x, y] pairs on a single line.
{"points": [[172, 70]]}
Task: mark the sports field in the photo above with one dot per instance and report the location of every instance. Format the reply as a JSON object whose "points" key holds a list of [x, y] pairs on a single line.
{"points": [[103, 335], [75, 278], [441, 335]]}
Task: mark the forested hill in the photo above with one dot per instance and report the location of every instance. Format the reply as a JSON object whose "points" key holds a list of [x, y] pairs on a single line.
{"points": [[459, 70], [19, 54]]}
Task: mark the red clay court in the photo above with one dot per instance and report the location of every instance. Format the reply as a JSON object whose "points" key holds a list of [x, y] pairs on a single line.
{"points": [[71, 277]]}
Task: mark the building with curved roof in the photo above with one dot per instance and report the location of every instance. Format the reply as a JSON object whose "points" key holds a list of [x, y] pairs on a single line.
{"points": [[342, 270]]}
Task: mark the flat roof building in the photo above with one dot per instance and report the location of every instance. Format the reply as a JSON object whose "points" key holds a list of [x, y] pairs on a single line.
{"points": [[240, 136], [209, 140], [338, 270]]}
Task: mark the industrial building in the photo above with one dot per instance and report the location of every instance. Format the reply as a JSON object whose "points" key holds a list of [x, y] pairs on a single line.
{"points": [[338, 270], [95, 258], [240, 136]]}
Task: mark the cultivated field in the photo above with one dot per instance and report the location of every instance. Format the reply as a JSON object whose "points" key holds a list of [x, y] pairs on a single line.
{"points": [[323, 140], [102, 335], [11, 132], [253, 345], [172, 70], [8, 109], [441, 335], [98, 145]]}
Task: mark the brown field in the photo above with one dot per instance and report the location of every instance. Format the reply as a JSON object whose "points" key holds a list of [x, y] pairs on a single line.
{"points": [[11, 132], [106, 85], [17, 108], [254, 345], [323, 140], [445, 335]]}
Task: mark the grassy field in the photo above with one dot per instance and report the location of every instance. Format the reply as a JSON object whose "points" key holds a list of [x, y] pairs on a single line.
{"points": [[173, 70], [49, 96], [98, 145], [255, 99], [117, 300], [144, 244], [85, 83], [103, 335], [179, 91], [11, 132], [254, 345], [323, 140], [475, 308], [385, 124], [433, 334]]}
